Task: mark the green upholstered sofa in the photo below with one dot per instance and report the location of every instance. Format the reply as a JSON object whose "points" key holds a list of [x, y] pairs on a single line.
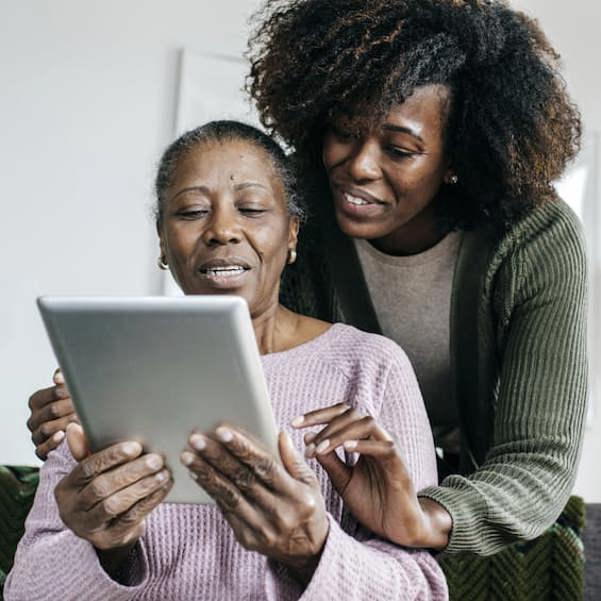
{"points": [[548, 568]]}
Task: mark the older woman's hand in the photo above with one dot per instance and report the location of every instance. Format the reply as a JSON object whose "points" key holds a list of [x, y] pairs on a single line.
{"points": [[51, 411], [378, 489], [273, 508], [108, 494]]}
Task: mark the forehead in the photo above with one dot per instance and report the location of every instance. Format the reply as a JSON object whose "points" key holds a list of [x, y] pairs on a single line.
{"points": [[226, 161], [424, 111]]}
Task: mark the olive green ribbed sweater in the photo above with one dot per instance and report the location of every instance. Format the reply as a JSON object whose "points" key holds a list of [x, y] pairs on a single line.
{"points": [[518, 356]]}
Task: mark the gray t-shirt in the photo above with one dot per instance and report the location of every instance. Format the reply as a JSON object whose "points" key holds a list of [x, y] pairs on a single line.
{"points": [[412, 300]]}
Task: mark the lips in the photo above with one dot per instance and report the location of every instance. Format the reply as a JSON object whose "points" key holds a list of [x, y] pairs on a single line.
{"points": [[224, 272], [359, 197], [358, 204]]}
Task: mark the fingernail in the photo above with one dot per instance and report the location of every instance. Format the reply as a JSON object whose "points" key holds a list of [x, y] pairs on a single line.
{"points": [[59, 378], [322, 446], [309, 437], [154, 462], [193, 475], [58, 436], [224, 434], [310, 450], [161, 476], [132, 448], [198, 441], [186, 458], [350, 444], [298, 421]]}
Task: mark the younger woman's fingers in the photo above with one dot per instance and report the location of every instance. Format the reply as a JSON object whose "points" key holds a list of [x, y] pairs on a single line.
{"points": [[51, 412], [57, 376], [49, 444], [320, 416], [337, 424], [338, 471], [47, 429], [373, 448], [358, 429]]}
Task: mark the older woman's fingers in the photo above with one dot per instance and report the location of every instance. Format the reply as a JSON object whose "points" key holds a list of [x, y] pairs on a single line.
{"points": [[214, 456], [109, 483], [130, 525], [228, 497], [320, 416], [259, 460], [94, 465], [117, 504], [49, 444]]}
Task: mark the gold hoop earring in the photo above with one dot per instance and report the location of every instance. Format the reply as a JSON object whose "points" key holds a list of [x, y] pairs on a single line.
{"points": [[162, 263], [291, 256]]}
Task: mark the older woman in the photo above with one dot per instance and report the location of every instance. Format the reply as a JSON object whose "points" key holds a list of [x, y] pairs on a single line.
{"points": [[228, 223], [433, 130]]}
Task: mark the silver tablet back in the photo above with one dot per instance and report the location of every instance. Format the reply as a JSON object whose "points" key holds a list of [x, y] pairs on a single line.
{"points": [[152, 369]]}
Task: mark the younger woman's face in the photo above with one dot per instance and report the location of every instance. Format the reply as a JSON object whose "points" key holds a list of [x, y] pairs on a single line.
{"points": [[226, 227], [384, 180]]}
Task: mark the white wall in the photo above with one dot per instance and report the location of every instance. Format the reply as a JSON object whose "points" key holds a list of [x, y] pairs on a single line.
{"points": [[87, 104]]}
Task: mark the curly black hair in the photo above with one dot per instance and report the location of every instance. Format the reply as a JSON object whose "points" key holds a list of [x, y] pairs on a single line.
{"points": [[511, 127]]}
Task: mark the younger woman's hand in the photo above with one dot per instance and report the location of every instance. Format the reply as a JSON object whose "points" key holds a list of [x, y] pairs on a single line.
{"points": [[273, 508], [377, 489], [51, 411]]}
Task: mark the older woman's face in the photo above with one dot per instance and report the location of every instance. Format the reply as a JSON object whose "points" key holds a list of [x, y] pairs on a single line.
{"points": [[226, 227], [386, 178]]}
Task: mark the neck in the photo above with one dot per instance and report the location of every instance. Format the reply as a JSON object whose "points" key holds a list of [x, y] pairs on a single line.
{"points": [[416, 236], [272, 328]]}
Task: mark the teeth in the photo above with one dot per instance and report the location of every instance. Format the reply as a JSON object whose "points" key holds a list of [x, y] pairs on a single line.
{"points": [[225, 271], [354, 200]]}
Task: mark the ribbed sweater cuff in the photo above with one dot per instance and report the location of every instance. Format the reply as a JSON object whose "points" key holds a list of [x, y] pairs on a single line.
{"points": [[463, 506], [90, 578]]}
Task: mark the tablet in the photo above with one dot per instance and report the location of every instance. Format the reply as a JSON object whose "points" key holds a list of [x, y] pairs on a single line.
{"points": [[152, 369]]}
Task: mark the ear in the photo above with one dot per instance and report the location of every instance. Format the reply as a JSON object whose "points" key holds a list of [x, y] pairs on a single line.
{"points": [[161, 239], [293, 232]]}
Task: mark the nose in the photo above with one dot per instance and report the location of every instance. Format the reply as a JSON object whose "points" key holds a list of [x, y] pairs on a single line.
{"points": [[363, 165], [222, 228]]}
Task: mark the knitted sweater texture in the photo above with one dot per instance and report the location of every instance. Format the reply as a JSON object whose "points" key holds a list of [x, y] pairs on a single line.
{"points": [[518, 361], [189, 552]]}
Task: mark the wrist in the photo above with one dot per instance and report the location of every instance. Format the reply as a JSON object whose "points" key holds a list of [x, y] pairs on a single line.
{"points": [[439, 524], [114, 561]]}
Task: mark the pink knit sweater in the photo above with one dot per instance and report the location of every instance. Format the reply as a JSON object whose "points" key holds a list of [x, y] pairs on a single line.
{"points": [[189, 552]]}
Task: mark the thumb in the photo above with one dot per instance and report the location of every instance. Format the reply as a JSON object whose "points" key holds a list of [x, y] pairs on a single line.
{"points": [[77, 441], [338, 471], [293, 461]]}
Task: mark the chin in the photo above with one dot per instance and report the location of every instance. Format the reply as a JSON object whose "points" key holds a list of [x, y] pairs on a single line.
{"points": [[362, 230]]}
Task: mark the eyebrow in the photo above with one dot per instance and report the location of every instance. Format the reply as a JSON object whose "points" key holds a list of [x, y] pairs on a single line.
{"points": [[205, 190], [403, 130]]}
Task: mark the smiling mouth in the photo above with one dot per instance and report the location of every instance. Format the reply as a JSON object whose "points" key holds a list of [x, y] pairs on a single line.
{"points": [[228, 271], [359, 199]]}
